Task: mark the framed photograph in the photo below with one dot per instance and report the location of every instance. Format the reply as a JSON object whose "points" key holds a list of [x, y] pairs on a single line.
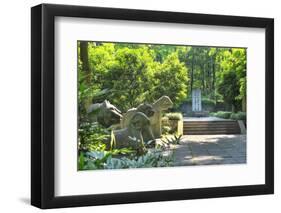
{"points": [[140, 106]]}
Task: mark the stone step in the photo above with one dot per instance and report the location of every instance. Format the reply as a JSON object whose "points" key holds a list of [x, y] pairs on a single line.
{"points": [[220, 125], [209, 122], [211, 127], [208, 128], [206, 132]]}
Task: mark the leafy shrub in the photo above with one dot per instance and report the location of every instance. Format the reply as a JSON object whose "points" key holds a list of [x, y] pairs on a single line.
{"points": [[174, 116], [165, 125], [238, 116], [207, 101], [222, 114], [176, 139], [168, 124], [92, 136], [153, 158], [188, 100], [106, 160], [165, 120], [166, 130], [227, 115]]}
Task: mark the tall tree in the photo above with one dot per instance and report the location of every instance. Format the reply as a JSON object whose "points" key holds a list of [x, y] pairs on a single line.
{"points": [[84, 57], [172, 79]]}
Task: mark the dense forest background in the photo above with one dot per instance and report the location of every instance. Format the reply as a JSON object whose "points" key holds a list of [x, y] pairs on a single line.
{"points": [[130, 74]]}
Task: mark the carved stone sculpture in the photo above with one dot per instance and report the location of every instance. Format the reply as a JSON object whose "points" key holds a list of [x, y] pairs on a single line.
{"points": [[135, 135], [147, 109], [104, 113], [153, 111], [160, 105]]}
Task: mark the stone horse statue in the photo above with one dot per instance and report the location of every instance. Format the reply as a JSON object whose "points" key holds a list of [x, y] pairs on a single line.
{"points": [[104, 113]]}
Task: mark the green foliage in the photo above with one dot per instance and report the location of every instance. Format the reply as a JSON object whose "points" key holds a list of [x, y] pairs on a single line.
{"points": [[171, 79], [232, 78], [92, 136], [174, 116], [175, 139], [221, 114], [161, 52], [130, 77], [208, 101], [238, 116], [106, 160], [230, 115], [229, 87], [168, 125], [130, 74], [166, 128]]}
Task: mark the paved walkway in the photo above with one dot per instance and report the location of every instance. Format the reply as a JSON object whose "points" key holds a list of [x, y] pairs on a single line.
{"points": [[210, 149]]}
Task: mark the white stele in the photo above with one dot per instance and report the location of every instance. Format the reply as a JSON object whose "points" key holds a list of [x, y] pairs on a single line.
{"points": [[68, 181]]}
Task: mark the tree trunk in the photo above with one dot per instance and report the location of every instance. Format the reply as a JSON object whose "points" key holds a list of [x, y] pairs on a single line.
{"points": [[192, 72], [203, 78], [85, 59], [214, 77], [244, 104], [85, 68]]}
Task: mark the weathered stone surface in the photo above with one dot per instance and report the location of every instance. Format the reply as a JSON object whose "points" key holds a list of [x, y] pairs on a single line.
{"points": [[153, 111], [176, 126], [136, 134], [104, 113], [147, 109], [196, 100], [159, 106]]}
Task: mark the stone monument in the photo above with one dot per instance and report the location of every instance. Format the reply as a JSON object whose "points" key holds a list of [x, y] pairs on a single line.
{"points": [[196, 100]]}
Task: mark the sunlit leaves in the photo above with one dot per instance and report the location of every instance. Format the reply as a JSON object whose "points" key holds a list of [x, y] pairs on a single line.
{"points": [[232, 78]]}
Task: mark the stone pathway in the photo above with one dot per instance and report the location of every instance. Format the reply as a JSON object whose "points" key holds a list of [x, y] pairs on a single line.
{"points": [[210, 150]]}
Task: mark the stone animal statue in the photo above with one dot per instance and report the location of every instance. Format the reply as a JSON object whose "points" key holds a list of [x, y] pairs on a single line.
{"points": [[160, 105], [104, 113], [147, 109], [135, 135], [153, 111]]}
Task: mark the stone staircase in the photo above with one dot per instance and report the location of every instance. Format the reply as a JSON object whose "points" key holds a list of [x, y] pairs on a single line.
{"points": [[220, 127]]}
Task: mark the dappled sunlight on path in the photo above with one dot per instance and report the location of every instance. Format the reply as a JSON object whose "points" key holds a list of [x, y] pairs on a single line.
{"points": [[210, 150]]}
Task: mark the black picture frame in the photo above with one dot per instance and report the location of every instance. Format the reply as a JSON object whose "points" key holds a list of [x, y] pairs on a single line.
{"points": [[43, 111]]}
